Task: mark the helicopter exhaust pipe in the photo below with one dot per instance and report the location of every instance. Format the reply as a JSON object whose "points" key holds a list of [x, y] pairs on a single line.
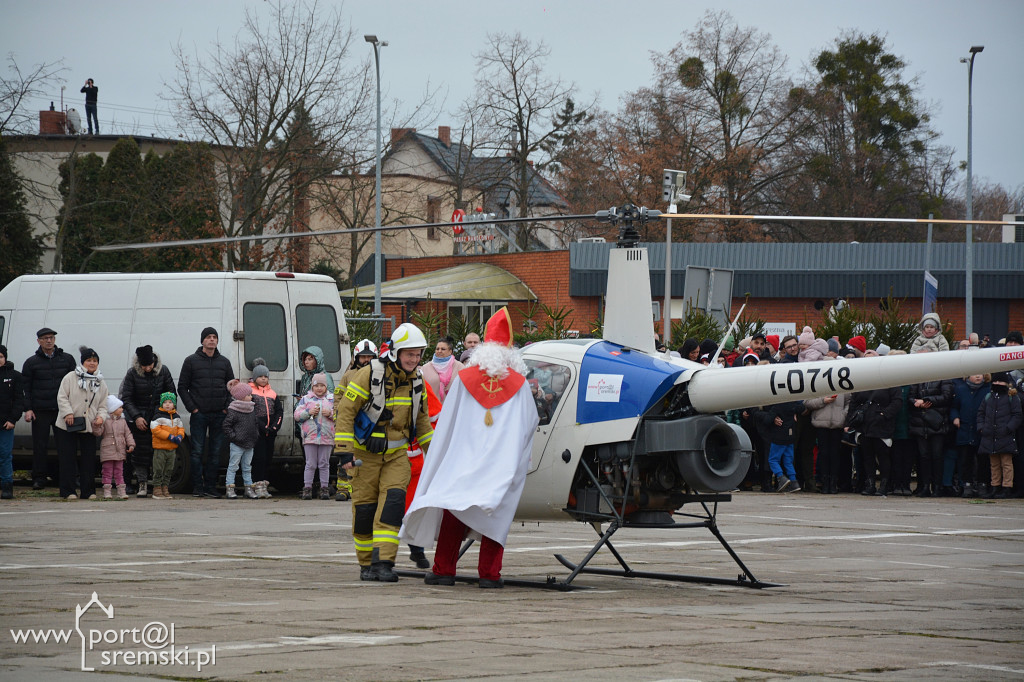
{"points": [[717, 390]]}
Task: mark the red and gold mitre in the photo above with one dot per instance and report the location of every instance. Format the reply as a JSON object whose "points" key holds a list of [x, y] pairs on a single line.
{"points": [[499, 328]]}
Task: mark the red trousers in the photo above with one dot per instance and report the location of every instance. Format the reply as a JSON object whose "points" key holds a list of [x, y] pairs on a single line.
{"points": [[449, 541]]}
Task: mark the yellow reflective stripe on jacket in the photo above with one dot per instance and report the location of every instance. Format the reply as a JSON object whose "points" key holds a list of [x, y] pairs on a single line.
{"points": [[385, 536], [391, 402], [425, 438], [355, 391], [344, 438]]}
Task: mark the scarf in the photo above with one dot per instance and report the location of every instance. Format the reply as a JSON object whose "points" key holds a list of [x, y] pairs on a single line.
{"points": [[445, 369], [243, 406], [88, 382]]}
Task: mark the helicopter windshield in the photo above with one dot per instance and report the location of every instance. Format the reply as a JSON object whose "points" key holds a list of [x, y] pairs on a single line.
{"points": [[548, 383]]}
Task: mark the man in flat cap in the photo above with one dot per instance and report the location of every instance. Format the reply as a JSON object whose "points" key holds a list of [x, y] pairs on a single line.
{"points": [[43, 372]]}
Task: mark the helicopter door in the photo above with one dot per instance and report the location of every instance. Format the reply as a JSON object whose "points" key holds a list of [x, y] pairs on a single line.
{"points": [[551, 383]]}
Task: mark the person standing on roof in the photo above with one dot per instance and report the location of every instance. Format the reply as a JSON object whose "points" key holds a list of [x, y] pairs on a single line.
{"points": [[384, 409], [91, 91]]}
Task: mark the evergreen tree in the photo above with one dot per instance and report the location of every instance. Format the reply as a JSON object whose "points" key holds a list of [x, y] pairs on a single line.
{"points": [[79, 219], [21, 250]]}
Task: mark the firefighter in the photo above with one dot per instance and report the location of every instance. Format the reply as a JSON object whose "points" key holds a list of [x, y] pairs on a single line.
{"points": [[384, 409]]}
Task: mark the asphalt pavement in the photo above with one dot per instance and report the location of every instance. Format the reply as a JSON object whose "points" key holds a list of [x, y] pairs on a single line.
{"points": [[873, 589]]}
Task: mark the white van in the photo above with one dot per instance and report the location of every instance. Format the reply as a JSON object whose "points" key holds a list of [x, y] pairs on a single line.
{"points": [[257, 314]]}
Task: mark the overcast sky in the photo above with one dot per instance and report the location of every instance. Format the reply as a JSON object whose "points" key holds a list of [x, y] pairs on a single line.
{"points": [[603, 46]]}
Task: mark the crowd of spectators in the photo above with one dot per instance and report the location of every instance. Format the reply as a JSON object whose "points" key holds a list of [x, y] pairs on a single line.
{"points": [[960, 437]]}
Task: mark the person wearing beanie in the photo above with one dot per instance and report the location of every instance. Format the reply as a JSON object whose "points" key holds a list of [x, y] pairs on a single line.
{"points": [[242, 432], [42, 373], [999, 417], [143, 383], [167, 433], [208, 331], [834, 348], [882, 349], [751, 358], [806, 337], [115, 445], [931, 336], [816, 350], [269, 415], [315, 416], [773, 344], [859, 345], [81, 411], [12, 405], [202, 387]]}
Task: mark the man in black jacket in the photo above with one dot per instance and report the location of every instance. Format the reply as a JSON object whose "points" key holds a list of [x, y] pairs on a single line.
{"points": [[43, 372], [203, 389]]}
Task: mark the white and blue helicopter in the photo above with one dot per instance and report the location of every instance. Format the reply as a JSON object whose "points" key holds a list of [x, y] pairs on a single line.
{"points": [[632, 435]]}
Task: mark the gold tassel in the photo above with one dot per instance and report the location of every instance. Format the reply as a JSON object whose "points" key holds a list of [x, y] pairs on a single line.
{"points": [[488, 420]]}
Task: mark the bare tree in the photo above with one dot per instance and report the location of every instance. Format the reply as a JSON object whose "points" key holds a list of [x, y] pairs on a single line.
{"points": [[729, 85], [243, 98], [522, 105], [19, 87]]}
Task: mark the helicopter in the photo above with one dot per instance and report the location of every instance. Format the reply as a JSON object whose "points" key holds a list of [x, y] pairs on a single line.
{"points": [[628, 436]]}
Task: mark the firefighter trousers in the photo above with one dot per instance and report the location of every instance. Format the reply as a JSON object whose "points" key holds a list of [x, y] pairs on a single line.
{"points": [[378, 503]]}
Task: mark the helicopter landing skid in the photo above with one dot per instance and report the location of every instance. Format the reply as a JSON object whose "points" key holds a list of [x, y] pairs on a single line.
{"points": [[744, 579], [550, 584]]}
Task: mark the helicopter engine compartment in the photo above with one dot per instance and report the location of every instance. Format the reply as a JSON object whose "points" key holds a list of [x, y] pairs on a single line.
{"points": [[649, 477]]}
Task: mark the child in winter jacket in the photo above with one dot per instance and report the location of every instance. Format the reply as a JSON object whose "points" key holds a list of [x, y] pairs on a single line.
{"points": [[168, 432], [269, 415], [117, 441], [778, 423], [931, 337], [240, 428], [315, 416], [998, 419]]}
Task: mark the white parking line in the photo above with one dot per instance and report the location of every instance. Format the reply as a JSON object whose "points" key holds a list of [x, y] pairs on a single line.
{"points": [[319, 640]]}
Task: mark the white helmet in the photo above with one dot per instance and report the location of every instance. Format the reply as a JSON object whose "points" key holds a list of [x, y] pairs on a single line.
{"points": [[406, 335], [365, 347]]}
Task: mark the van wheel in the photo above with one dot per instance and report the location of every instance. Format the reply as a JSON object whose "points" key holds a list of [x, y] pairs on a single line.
{"points": [[181, 479]]}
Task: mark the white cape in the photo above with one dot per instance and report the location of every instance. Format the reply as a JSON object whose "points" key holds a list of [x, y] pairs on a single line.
{"points": [[475, 471]]}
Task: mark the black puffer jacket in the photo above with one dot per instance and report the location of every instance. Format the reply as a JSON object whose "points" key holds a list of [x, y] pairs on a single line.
{"points": [[998, 418], [141, 390], [881, 408], [43, 376], [12, 394], [203, 382], [934, 420]]}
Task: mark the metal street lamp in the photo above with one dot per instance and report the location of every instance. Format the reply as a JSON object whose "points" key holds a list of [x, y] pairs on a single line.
{"points": [[377, 44], [969, 293]]}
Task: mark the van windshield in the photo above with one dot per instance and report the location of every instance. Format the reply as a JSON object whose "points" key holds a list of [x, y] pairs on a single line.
{"points": [[317, 325]]}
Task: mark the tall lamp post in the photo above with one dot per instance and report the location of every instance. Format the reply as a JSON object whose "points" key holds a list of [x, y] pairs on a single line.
{"points": [[969, 293], [377, 44]]}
